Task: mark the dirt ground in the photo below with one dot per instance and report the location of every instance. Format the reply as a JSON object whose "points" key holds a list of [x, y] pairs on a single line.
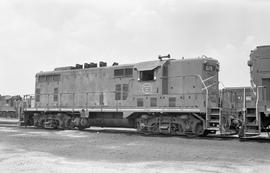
{"points": [[109, 150]]}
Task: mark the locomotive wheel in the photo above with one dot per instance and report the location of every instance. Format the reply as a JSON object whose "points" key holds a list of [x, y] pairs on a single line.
{"points": [[81, 127], [69, 124], [56, 124], [142, 129], [154, 128], [84, 122], [76, 122], [241, 133], [145, 130], [206, 132], [41, 123], [178, 130], [59, 124], [198, 129]]}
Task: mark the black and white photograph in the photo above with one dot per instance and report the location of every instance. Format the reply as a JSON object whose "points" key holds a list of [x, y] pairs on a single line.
{"points": [[134, 86]]}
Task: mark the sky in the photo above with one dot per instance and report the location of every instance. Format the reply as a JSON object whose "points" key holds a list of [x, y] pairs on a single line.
{"points": [[40, 35]]}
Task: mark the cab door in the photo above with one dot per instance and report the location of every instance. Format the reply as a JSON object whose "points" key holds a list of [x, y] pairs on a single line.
{"points": [[266, 92]]}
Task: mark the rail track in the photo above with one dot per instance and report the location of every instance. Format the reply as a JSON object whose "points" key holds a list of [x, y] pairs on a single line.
{"points": [[262, 138]]}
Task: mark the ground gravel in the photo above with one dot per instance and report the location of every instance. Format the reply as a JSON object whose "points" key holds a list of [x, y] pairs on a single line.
{"points": [[122, 150]]}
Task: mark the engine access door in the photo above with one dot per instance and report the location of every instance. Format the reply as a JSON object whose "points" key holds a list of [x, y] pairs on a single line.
{"points": [[165, 78]]}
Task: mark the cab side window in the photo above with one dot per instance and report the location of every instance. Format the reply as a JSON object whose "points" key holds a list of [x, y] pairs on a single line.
{"points": [[147, 75], [208, 67]]}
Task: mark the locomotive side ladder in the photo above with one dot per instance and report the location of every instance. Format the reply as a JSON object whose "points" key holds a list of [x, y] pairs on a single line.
{"points": [[213, 114], [251, 118], [214, 118]]}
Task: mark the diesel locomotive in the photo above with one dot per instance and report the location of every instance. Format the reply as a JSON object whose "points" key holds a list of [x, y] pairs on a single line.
{"points": [[10, 106], [168, 96], [257, 119]]}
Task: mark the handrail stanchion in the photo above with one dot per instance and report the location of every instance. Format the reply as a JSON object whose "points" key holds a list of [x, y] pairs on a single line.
{"points": [[86, 101], [60, 104], [244, 106], [206, 102], [257, 112]]}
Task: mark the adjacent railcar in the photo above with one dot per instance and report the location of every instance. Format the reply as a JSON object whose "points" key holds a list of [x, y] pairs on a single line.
{"points": [[236, 103], [10, 106], [259, 119], [170, 96]]}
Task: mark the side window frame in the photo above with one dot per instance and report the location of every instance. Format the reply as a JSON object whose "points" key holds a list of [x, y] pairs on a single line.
{"points": [[145, 76]]}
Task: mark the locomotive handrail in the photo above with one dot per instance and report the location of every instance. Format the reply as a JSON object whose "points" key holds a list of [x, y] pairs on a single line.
{"points": [[61, 105], [244, 108], [211, 85], [87, 106], [209, 78], [153, 94], [29, 98], [252, 86], [206, 95]]}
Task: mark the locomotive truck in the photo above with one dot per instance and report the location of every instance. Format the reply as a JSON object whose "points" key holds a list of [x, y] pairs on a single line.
{"points": [[168, 96]]}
